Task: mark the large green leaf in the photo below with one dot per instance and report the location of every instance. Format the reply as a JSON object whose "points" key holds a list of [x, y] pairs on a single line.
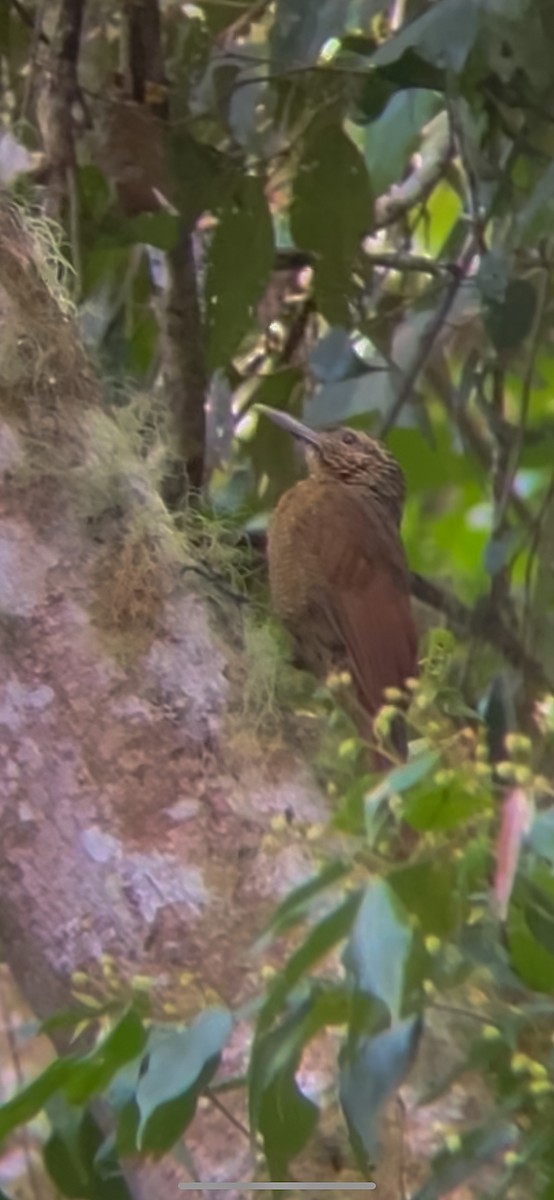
{"points": [[346, 402], [334, 357], [179, 1063], [78, 1077], [429, 890], [239, 261], [202, 177], [443, 36], [379, 946], [287, 1120], [392, 138], [509, 321], [444, 805], [70, 1156], [330, 213], [372, 1069]]}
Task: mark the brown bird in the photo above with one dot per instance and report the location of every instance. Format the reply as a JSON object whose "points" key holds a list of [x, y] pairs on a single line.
{"points": [[337, 568]]}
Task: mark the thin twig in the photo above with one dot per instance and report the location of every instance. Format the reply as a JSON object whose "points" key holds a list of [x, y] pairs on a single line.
{"points": [[415, 189], [229, 1115], [500, 578], [398, 260], [29, 19], [430, 335], [244, 21], [475, 211]]}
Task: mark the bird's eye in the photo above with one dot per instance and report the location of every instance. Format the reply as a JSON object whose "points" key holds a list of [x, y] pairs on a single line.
{"points": [[349, 438]]}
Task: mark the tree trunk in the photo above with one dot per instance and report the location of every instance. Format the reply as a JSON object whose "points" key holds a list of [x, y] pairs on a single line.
{"points": [[133, 822]]}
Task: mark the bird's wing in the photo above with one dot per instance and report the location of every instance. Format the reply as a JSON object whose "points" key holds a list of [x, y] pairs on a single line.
{"points": [[367, 592]]}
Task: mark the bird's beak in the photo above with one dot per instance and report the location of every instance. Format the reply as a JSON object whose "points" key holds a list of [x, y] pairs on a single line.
{"points": [[291, 425]]}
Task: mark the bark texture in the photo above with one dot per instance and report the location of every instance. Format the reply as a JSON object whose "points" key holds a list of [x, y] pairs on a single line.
{"points": [[132, 822]]}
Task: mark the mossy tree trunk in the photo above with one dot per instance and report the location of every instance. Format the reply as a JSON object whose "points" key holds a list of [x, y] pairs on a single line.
{"points": [[132, 823]]}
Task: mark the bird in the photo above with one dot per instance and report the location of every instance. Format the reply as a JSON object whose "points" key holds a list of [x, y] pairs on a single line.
{"points": [[338, 573]]}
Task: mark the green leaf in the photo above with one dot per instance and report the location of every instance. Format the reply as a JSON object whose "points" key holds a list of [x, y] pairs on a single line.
{"points": [[152, 229], [345, 402], [94, 193], [541, 835], [238, 264], [443, 36], [202, 177], [299, 901], [31, 1099], [126, 1138], [278, 1109], [70, 1156], [123, 1043], [429, 891], [179, 1064], [493, 276], [320, 941], [272, 451], [529, 959], [537, 215], [287, 1121], [334, 358], [80, 1077], [541, 925], [371, 1071], [379, 946], [499, 550], [444, 806], [397, 781], [331, 210], [401, 779], [392, 138], [508, 322]]}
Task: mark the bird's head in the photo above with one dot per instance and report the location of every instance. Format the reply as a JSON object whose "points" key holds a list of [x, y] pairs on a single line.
{"points": [[348, 456]]}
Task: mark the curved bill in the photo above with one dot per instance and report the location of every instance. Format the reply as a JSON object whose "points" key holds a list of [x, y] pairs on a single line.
{"points": [[290, 424]]}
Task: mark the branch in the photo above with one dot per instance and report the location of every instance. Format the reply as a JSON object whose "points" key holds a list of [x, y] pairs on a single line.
{"points": [[476, 213], [500, 455], [184, 370], [430, 335], [401, 260], [401, 197], [57, 93], [183, 365], [481, 622]]}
